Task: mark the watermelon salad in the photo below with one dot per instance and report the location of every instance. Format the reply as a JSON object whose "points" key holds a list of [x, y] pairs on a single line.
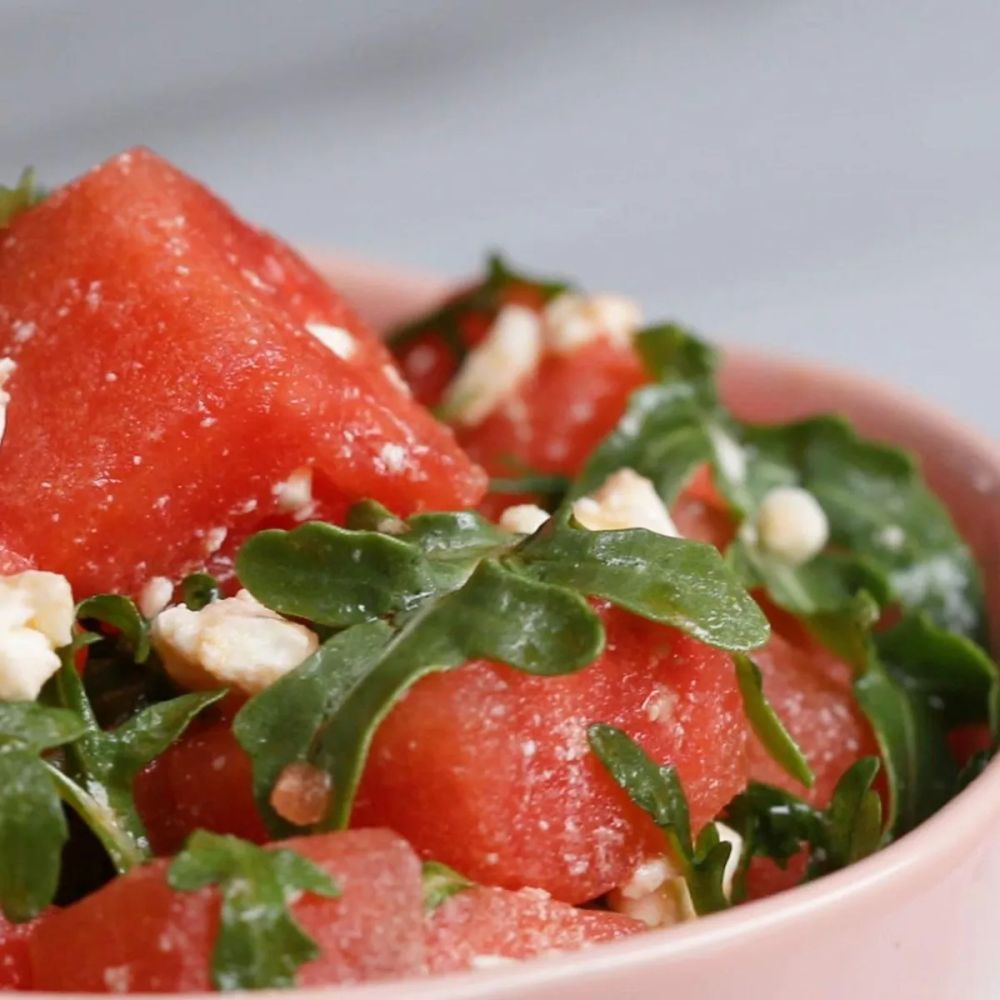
{"points": [[328, 658]]}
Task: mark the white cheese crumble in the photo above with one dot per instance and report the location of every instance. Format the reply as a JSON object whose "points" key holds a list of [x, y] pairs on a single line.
{"points": [[791, 524], [236, 642], [655, 894], [36, 618], [625, 500], [523, 518], [155, 596], [492, 371], [7, 368], [294, 494], [334, 338], [391, 372], [571, 320]]}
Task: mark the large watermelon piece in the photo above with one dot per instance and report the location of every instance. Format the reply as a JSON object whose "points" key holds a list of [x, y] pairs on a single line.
{"points": [[138, 935], [488, 769], [173, 367], [485, 926]]}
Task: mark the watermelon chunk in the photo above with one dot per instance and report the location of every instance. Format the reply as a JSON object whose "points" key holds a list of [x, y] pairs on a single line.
{"points": [[488, 769], [173, 367], [810, 690], [138, 935], [202, 781], [15, 961], [484, 926]]}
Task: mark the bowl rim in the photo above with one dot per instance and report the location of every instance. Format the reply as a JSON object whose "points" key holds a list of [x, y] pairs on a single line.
{"points": [[916, 859]]}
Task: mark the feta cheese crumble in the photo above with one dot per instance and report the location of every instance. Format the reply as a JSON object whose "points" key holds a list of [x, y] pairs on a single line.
{"points": [[155, 596], [236, 642], [294, 494], [523, 519], [656, 894], [625, 500], [492, 371], [572, 320], [36, 618], [791, 524], [334, 338]]}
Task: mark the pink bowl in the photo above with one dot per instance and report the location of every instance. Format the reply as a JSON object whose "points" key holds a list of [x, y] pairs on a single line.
{"points": [[917, 921]]}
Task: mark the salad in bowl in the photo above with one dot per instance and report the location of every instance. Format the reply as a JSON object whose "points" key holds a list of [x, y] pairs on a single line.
{"points": [[328, 657]]}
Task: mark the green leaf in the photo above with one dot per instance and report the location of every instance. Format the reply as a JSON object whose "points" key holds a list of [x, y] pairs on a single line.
{"points": [[672, 353], [668, 580], [658, 792], [260, 944], [879, 509], [485, 296], [662, 436], [441, 883], [766, 724], [278, 726], [121, 613], [104, 763], [854, 816], [198, 590], [920, 769], [21, 197], [777, 824], [942, 666], [554, 632], [32, 833], [32, 825], [332, 575]]}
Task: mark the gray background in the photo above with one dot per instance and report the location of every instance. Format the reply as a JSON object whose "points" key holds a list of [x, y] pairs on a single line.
{"points": [[819, 177]]}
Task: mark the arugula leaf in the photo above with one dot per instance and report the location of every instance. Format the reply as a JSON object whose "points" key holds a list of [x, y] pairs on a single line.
{"points": [[673, 353], [277, 727], [198, 590], [441, 883], [32, 825], [121, 613], [104, 764], [486, 296], [260, 944], [552, 486], [658, 792], [662, 436], [21, 197], [942, 667], [767, 725], [332, 575], [777, 824], [673, 581], [555, 632], [879, 509]]}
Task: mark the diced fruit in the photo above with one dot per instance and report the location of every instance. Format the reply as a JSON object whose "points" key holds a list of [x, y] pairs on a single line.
{"points": [[136, 934], [811, 692], [509, 792], [484, 926], [203, 781], [766, 877], [174, 367], [15, 961]]}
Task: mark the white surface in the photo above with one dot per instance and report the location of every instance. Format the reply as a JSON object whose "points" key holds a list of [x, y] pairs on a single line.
{"points": [[819, 177]]}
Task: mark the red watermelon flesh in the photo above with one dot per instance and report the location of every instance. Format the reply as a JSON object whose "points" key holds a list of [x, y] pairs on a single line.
{"points": [[485, 926], [166, 384], [138, 935], [488, 769], [15, 961]]}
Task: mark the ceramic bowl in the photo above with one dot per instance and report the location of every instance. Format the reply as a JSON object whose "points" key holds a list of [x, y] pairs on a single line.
{"points": [[919, 920]]}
